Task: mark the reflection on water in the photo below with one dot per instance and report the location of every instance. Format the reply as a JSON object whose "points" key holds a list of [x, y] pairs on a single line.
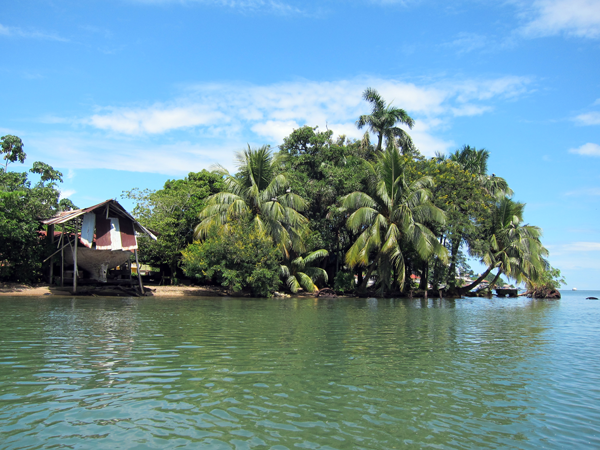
{"points": [[346, 373]]}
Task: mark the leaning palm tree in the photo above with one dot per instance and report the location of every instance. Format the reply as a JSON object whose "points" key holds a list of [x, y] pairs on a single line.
{"points": [[392, 221], [384, 118], [301, 273], [513, 247], [257, 194], [474, 162]]}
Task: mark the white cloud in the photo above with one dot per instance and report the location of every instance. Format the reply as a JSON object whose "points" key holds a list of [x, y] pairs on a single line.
{"points": [[579, 18], [72, 151], [207, 123], [589, 149], [467, 42], [233, 107], [591, 118], [155, 119], [271, 6], [470, 110], [67, 193], [33, 34], [275, 130], [576, 247], [584, 192]]}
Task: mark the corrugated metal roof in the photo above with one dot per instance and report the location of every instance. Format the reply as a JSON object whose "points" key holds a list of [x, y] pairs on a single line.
{"points": [[111, 205]]}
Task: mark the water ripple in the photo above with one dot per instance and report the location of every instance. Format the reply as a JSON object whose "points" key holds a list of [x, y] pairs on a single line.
{"points": [[233, 374]]}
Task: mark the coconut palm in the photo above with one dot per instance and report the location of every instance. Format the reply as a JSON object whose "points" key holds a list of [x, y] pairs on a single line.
{"points": [[300, 272], [384, 118], [474, 162], [513, 247], [392, 220], [257, 194]]}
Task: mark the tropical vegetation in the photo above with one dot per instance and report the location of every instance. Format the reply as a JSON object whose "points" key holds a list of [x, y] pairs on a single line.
{"points": [[25, 197], [318, 212]]}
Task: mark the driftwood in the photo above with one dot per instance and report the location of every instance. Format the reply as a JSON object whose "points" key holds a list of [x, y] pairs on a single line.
{"points": [[327, 293]]}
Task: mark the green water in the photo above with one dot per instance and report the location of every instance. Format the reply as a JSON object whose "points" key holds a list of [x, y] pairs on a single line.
{"points": [[95, 373]]}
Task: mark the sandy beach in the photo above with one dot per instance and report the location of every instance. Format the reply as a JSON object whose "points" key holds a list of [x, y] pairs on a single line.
{"points": [[41, 289]]}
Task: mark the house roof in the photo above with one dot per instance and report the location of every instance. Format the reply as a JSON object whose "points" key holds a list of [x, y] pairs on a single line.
{"points": [[108, 207]]}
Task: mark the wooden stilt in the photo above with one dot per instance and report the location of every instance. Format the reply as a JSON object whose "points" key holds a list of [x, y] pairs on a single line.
{"points": [[50, 237], [75, 270], [62, 259], [137, 263]]}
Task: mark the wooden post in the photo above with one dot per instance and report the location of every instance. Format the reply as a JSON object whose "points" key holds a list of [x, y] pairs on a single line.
{"points": [[62, 258], [75, 270], [50, 238], [137, 263]]}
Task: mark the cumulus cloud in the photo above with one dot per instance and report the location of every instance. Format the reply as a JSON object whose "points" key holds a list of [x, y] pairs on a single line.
{"points": [[580, 18], [589, 149], [591, 118]]}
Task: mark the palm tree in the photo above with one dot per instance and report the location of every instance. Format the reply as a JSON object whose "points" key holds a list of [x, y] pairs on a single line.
{"points": [[384, 118], [300, 272], [255, 193], [392, 221], [475, 162], [514, 248]]}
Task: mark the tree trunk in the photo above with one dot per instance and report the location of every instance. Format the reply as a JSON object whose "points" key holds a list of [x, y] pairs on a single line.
{"points": [[380, 141], [424, 274], [475, 283], [365, 282], [360, 276], [493, 283], [451, 280]]}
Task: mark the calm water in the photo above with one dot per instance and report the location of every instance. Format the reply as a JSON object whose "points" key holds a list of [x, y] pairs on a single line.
{"points": [[99, 373]]}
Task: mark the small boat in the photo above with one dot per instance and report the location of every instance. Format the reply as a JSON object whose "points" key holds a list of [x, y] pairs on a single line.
{"points": [[591, 298], [574, 289]]}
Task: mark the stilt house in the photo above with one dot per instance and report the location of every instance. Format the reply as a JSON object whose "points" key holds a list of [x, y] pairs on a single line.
{"points": [[104, 237]]}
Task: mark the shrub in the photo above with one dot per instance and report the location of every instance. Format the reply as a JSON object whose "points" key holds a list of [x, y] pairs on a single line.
{"points": [[344, 282], [242, 258]]}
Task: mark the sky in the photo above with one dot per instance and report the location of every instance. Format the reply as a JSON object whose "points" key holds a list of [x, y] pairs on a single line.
{"points": [[119, 94]]}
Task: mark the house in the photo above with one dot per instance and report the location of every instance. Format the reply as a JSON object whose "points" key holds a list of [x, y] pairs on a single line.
{"points": [[102, 237]]}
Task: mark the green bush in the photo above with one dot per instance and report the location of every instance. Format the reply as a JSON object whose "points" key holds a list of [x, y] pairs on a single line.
{"points": [[242, 258], [344, 282]]}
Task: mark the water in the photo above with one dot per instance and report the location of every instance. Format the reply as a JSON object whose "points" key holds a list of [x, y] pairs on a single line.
{"points": [[99, 373]]}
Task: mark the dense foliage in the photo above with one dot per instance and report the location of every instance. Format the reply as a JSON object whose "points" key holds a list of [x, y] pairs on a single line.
{"points": [[22, 204], [549, 281], [242, 257], [172, 213]]}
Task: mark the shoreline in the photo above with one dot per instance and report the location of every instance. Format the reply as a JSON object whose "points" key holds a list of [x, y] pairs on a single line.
{"points": [[45, 290]]}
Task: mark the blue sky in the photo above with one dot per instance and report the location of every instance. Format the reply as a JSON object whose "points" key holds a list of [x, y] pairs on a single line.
{"points": [[129, 93]]}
